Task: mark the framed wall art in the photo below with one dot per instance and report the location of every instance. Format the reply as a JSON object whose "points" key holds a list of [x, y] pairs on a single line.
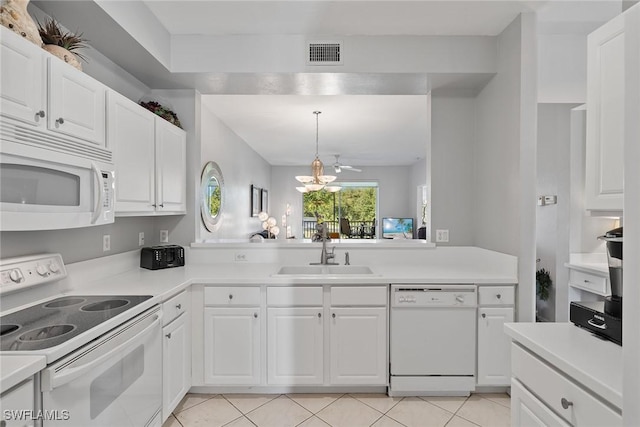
{"points": [[264, 203], [255, 200]]}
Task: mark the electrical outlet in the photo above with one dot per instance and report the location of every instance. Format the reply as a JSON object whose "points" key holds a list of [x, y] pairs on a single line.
{"points": [[141, 238], [164, 236], [442, 236], [241, 257], [106, 243]]}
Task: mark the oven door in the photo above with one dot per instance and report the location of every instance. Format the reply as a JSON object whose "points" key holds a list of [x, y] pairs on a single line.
{"points": [[55, 193], [116, 381]]}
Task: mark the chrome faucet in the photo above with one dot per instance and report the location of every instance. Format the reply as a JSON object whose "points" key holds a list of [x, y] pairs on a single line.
{"points": [[327, 254]]}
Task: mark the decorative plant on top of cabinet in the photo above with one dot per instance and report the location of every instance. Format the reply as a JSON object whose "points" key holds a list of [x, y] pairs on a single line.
{"points": [[61, 43]]}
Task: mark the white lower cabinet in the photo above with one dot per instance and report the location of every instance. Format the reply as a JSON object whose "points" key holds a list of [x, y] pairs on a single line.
{"points": [[359, 345], [496, 309], [176, 352], [232, 345], [295, 345], [19, 399], [528, 411]]}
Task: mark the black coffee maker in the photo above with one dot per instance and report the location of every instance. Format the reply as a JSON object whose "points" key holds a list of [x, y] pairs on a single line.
{"points": [[613, 304]]}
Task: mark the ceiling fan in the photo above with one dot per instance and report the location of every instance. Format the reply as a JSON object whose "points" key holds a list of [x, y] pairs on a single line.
{"points": [[337, 166]]}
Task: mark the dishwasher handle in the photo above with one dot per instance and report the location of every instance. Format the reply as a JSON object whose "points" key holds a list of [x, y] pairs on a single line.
{"points": [[50, 379]]}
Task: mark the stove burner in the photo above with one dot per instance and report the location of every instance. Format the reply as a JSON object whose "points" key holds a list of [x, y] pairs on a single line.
{"points": [[46, 333], [7, 329], [105, 305], [64, 302]]}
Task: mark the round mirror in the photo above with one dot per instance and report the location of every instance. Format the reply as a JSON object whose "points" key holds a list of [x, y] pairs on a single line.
{"points": [[211, 195]]}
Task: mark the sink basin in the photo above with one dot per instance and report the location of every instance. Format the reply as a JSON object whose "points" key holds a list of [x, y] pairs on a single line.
{"points": [[328, 270]]}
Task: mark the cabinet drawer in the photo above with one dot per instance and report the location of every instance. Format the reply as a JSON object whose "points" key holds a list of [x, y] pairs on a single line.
{"points": [[359, 295], [296, 296], [496, 295], [232, 295], [588, 281], [582, 408], [174, 307]]}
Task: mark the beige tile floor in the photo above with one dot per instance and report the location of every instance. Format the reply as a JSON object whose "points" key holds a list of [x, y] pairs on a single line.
{"points": [[340, 410]]}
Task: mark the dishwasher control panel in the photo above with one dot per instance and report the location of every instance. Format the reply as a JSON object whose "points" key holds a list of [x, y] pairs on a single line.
{"points": [[434, 296]]}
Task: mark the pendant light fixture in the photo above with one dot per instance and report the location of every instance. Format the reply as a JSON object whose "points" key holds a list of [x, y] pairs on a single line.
{"points": [[318, 180]]}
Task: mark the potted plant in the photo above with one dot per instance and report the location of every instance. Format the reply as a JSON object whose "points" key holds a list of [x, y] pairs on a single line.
{"points": [[62, 43]]}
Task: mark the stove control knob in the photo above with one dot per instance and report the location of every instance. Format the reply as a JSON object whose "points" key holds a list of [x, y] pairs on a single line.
{"points": [[53, 267], [42, 270], [16, 276]]}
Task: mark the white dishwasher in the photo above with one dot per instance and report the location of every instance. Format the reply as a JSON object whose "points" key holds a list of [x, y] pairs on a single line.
{"points": [[433, 339]]}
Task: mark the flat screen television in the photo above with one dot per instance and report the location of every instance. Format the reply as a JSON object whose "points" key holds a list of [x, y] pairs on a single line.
{"points": [[397, 228]]}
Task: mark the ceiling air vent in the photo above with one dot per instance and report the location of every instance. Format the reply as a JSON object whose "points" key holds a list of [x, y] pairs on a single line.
{"points": [[324, 53]]}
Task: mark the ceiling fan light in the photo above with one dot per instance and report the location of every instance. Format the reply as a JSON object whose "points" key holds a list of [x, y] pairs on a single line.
{"points": [[314, 187], [304, 179], [332, 188], [302, 189], [326, 178]]}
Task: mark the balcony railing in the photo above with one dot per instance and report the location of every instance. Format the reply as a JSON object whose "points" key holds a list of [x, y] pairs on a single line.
{"points": [[360, 229]]}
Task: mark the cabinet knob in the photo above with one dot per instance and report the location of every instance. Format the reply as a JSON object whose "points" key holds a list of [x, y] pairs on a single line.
{"points": [[230, 296], [319, 315], [168, 335], [587, 281], [60, 121], [154, 205], [484, 315], [40, 114], [255, 315], [333, 315], [179, 306], [565, 403], [498, 296], [162, 205]]}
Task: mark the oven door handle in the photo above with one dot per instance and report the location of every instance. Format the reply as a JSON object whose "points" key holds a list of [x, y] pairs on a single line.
{"points": [[51, 380], [99, 180]]}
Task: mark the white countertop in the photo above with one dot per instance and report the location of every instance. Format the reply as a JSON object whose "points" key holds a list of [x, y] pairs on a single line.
{"points": [[591, 361], [14, 369]]}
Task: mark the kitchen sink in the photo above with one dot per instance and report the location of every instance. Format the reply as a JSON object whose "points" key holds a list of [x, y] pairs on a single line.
{"points": [[326, 270]]}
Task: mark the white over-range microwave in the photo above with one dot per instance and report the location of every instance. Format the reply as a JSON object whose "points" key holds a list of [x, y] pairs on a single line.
{"points": [[53, 188]]}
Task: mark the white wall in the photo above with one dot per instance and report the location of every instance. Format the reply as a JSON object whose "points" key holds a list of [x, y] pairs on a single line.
{"points": [[562, 68], [241, 167], [452, 145]]}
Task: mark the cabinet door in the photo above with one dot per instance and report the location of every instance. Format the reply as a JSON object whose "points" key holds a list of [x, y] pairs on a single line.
{"points": [[76, 103], [358, 346], [295, 350], [494, 367], [171, 168], [22, 81], [176, 363], [232, 346], [528, 411], [131, 134], [19, 399], [605, 117]]}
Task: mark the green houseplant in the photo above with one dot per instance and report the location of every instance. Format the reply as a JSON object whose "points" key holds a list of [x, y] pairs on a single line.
{"points": [[543, 284]]}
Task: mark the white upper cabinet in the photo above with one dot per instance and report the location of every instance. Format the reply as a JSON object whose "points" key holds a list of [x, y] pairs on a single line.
{"points": [[23, 79], [605, 117], [76, 103], [171, 168], [150, 160], [131, 133], [48, 100]]}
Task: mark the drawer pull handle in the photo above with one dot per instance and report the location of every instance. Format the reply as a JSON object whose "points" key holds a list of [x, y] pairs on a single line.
{"points": [[484, 315], [597, 325], [498, 296], [230, 296], [178, 306], [168, 335], [319, 315], [565, 403], [333, 315], [255, 315]]}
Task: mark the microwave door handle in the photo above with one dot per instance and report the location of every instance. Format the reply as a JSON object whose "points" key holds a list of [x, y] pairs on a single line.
{"points": [[51, 380], [98, 211]]}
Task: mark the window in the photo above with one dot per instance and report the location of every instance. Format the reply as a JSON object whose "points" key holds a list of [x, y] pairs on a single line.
{"points": [[357, 203]]}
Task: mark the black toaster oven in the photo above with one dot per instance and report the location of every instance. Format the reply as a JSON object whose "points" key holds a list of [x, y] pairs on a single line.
{"points": [[162, 256]]}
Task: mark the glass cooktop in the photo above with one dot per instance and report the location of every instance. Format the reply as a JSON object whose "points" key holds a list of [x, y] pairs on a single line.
{"points": [[56, 321]]}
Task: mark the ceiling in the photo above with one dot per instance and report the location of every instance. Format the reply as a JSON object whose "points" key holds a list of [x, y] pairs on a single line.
{"points": [[364, 129]]}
